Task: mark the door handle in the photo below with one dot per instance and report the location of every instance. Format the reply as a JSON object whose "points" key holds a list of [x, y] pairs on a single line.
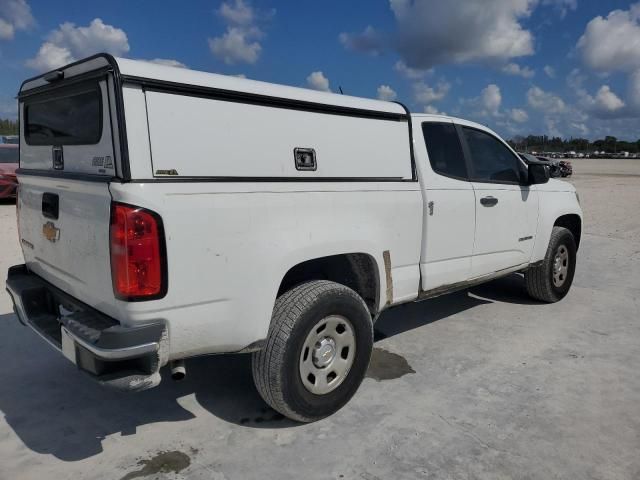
{"points": [[489, 201]]}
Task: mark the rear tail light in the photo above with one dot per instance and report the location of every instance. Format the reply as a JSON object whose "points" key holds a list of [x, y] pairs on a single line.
{"points": [[138, 255]]}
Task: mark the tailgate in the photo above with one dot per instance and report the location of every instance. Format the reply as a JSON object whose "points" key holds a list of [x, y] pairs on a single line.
{"points": [[70, 249], [66, 152]]}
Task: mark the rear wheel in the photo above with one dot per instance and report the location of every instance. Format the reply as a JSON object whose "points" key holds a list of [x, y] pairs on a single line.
{"points": [[317, 351], [551, 280]]}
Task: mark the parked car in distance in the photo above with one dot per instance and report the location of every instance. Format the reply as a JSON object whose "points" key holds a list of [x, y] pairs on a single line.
{"points": [[166, 213], [9, 139], [8, 165], [566, 168], [554, 165]]}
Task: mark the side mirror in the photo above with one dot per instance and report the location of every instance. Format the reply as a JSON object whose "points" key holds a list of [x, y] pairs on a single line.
{"points": [[538, 173]]}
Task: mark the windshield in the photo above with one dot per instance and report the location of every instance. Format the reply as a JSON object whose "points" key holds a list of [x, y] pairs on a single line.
{"points": [[8, 155]]}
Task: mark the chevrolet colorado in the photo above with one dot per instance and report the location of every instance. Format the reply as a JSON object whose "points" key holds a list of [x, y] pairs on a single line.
{"points": [[166, 213]]}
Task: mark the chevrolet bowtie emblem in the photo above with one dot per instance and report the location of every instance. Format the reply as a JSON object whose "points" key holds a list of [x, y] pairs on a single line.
{"points": [[50, 232]]}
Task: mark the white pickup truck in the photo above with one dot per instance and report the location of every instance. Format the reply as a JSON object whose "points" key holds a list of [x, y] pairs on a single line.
{"points": [[166, 213]]}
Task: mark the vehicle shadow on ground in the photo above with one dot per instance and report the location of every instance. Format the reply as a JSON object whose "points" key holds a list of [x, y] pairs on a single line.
{"points": [[508, 289], [55, 409]]}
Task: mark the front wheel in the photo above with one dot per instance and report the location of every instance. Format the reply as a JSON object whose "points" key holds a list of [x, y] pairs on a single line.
{"points": [[551, 280], [317, 350]]}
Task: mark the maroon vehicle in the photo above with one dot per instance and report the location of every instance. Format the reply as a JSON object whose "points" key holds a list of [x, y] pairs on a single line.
{"points": [[8, 166]]}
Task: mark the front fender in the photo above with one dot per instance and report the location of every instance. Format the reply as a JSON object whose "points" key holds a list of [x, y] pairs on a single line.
{"points": [[553, 205]]}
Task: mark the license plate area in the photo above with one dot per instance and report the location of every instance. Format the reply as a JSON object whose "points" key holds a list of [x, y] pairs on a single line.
{"points": [[68, 345]]}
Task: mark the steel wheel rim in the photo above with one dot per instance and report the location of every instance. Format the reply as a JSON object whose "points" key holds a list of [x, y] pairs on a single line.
{"points": [[327, 354], [560, 266]]}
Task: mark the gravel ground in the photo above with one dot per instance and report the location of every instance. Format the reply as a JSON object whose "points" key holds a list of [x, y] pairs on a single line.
{"points": [[482, 384]]}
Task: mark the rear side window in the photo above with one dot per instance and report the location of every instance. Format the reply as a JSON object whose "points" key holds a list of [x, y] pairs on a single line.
{"points": [[491, 160], [71, 118], [445, 152]]}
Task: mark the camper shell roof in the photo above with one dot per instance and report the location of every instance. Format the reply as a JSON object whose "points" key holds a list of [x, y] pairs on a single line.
{"points": [[184, 80]]}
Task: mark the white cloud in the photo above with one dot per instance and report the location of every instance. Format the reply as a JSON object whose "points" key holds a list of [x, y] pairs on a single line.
{"points": [[240, 42], [385, 92], [369, 41], [549, 71], [515, 69], [432, 110], [491, 99], [6, 30], [50, 56], [545, 101], [606, 104], [235, 46], [560, 118], [432, 32], [425, 94], [317, 81], [237, 14], [612, 43], [518, 115], [411, 73], [168, 62], [69, 43], [486, 104], [15, 15], [608, 101]]}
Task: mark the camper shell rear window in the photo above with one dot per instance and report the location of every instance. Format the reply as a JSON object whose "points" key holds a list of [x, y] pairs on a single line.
{"points": [[66, 116]]}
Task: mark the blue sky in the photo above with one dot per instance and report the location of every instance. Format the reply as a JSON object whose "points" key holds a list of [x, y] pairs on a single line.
{"points": [[557, 67]]}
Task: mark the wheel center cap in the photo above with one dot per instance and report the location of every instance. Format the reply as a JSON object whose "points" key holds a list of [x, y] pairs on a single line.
{"points": [[557, 264], [324, 352]]}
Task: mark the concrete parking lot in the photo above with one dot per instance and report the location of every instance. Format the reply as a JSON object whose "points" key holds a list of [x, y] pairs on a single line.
{"points": [[481, 384]]}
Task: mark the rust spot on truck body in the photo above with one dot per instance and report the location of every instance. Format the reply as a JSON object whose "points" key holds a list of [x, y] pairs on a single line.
{"points": [[386, 255]]}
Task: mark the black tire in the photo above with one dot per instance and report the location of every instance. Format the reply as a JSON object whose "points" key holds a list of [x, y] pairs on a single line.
{"points": [[276, 367], [540, 279]]}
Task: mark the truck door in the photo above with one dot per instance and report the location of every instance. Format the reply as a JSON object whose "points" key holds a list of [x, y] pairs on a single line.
{"points": [[506, 209], [449, 205]]}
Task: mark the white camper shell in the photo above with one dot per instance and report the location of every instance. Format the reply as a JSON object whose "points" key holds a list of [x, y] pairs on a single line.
{"points": [[166, 213]]}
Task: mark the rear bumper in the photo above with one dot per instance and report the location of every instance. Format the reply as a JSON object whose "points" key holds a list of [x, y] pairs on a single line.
{"points": [[126, 358]]}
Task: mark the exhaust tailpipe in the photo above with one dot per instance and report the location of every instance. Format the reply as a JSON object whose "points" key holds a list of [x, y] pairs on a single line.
{"points": [[178, 369]]}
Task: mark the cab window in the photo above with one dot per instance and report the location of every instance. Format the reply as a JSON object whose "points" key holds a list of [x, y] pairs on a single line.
{"points": [[491, 160], [444, 149]]}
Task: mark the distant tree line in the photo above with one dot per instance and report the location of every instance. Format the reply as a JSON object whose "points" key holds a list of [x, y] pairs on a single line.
{"points": [[543, 143], [8, 127]]}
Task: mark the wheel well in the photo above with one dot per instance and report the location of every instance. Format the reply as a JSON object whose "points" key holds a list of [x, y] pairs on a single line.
{"points": [[355, 270], [571, 222]]}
